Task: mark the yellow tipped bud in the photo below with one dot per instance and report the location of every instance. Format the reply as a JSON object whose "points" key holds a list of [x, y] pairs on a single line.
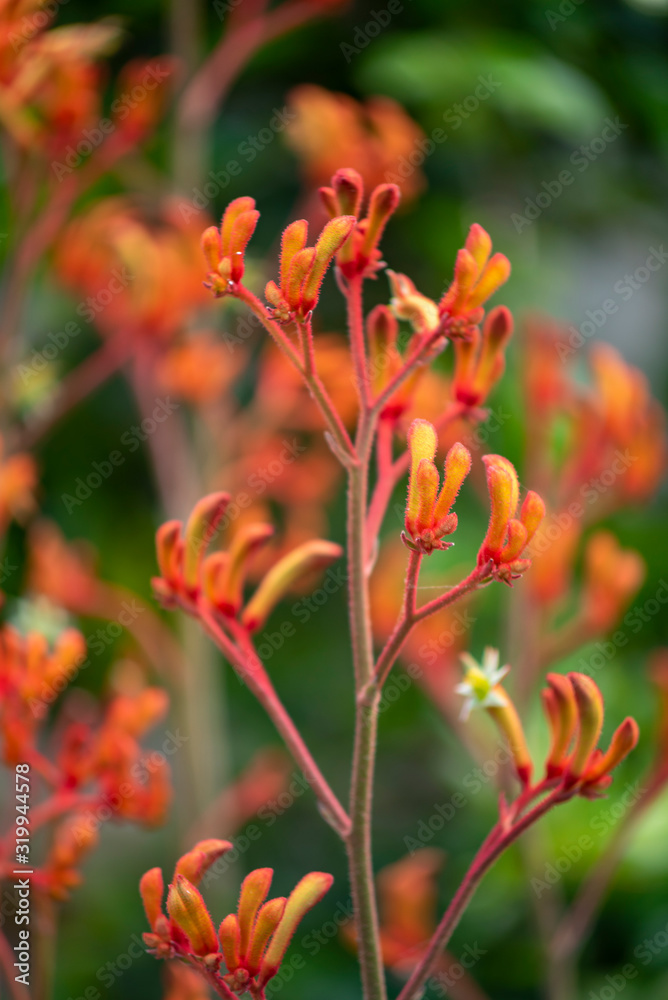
{"points": [[496, 273], [479, 245], [507, 719], [409, 304], [230, 216], [188, 911], [426, 485], [457, 468], [302, 262], [305, 895], [267, 921], [422, 442], [310, 556], [562, 710], [590, 718], [199, 531], [254, 889], [503, 487], [331, 239], [247, 540], [293, 240]]}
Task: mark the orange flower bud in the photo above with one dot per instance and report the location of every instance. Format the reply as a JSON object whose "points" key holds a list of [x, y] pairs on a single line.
{"points": [[199, 531], [503, 487], [197, 862], [612, 576], [590, 719], [267, 920], [302, 262], [230, 935], [167, 549], [348, 188], [331, 239], [188, 912], [507, 719], [383, 203], [562, 710], [292, 241], [254, 890], [247, 540], [422, 443], [311, 555], [305, 895], [457, 468], [624, 740], [532, 513], [476, 278], [152, 890]]}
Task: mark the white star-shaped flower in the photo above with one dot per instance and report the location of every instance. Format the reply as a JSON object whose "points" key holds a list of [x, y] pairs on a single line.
{"points": [[480, 682]]}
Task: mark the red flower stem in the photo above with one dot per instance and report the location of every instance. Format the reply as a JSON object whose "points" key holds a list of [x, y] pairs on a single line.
{"points": [[215, 982], [251, 671], [488, 854], [410, 617], [332, 417], [358, 344]]}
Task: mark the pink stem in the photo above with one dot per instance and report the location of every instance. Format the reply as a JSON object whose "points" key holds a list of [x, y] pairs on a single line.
{"points": [[251, 671], [488, 854]]}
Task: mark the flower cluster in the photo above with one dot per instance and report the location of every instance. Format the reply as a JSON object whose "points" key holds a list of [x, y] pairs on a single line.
{"points": [[188, 573], [251, 943], [428, 511], [98, 771], [574, 709]]}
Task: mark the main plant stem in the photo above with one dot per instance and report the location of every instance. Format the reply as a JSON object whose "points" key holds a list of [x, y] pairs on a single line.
{"points": [[360, 857]]}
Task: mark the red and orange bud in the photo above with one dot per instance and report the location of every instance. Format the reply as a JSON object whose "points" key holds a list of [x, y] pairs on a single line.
{"points": [[199, 531], [348, 188], [503, 487], [309, 891], [313, 555], [331, 239], [254, 890], [457, 468], [590, 723], [188, 912], [507, 536], [476, 278], [152, 890], [479, 358], [229, 586], [197, 862], [224, 249], [428, 516], [562, 712], [268, 919], [168, 551], [383, 203], [624, 740], [230, 936], [292, 241]]}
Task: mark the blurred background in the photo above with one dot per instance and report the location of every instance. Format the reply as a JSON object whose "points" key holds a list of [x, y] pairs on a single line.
{"points": [[546, 121]]}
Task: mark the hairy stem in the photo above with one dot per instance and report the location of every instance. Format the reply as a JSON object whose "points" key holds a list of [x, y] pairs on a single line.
{"points": [[251, 671], [360, 856], [488, 854]]}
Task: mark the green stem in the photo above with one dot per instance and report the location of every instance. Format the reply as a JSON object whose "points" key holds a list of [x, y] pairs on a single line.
{"points": [[360, 856]]}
